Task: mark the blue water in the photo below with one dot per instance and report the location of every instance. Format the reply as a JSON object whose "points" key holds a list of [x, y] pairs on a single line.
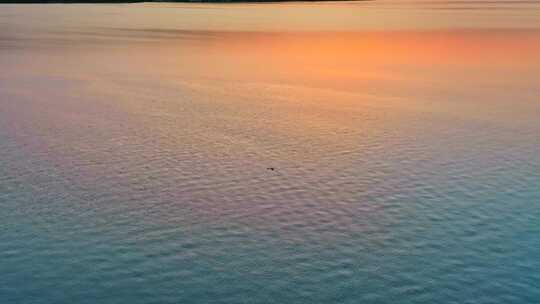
{"points": [[134, 167]]}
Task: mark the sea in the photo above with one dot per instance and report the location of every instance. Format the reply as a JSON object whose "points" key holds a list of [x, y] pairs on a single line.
{"points": [[354, 152]]}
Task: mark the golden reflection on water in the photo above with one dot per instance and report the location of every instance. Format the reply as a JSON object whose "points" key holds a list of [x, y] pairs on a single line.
{"points": [[434, 67], [377, 62], [327, 80]]}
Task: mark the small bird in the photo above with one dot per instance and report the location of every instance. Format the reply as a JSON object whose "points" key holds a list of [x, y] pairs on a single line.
{"points": [[271, 168]]}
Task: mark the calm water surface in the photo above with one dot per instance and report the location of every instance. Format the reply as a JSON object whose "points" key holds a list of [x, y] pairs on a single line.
{"points": [[135, 142]]}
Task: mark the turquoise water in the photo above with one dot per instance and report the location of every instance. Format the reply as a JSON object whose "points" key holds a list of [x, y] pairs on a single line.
{"points": [[135, 146]]}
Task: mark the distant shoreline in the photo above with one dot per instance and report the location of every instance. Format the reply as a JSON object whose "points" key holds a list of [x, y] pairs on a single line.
{"points": [[160, 1]]}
